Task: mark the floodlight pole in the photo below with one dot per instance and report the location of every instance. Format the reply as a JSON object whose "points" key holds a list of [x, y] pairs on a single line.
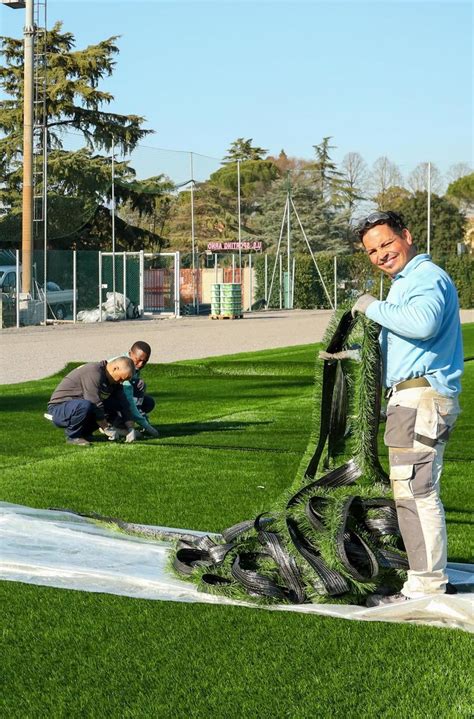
{"points": [[27, 193], [288, 242], [240, 228], [192, 230], [113, 220]]}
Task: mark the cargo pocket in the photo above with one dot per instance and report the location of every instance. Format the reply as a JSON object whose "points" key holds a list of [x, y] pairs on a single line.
{"points": [[400, 476], [446, 419], [422, 482], [400, 427], [434, 422], [414, 480]]}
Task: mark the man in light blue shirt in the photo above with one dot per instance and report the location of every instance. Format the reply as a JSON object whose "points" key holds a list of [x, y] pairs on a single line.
{"points": [[422, 364]]}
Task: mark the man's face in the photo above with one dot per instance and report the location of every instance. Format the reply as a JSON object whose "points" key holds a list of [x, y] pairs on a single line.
{"points": [[387, 250], [139, 358]]}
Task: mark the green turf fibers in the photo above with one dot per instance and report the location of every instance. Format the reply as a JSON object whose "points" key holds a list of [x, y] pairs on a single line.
{"points": [[234, 430]]}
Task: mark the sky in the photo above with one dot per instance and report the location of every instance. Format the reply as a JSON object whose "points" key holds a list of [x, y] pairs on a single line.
{"points": [[380, 78]]}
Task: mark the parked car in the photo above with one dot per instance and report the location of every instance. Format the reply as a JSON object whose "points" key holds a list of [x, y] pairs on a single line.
{"points": [[60, 301]]}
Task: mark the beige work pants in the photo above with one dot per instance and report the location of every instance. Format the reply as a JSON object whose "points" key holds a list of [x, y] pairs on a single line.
{"points": [[419, 421]]}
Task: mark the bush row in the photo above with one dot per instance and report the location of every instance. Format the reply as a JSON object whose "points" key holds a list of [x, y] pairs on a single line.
{"points": [[354, 275]]}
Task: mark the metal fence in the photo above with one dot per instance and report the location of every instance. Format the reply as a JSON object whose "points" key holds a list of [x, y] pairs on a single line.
{"points": [[89, 286]]}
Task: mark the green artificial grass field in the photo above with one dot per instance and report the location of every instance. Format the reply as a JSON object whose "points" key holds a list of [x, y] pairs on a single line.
{"points": [[233, 430]]}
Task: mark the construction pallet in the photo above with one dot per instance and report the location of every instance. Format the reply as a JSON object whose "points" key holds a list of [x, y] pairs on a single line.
{"points": [[226, 317]]}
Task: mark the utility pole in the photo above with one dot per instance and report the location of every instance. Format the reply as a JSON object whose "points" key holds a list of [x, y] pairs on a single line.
{"points": [[193, 239], [27, 209], [240, 229], [288, 229], [113, 221]]}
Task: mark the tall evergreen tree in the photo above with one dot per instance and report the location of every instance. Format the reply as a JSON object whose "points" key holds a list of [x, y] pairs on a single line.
{"points": [[325, 226], [242, 149], [327, 178], [78, 181], [447, 224]]}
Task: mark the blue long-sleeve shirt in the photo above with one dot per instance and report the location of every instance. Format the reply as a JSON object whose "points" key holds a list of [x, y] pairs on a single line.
{"points": [[421, 329]]}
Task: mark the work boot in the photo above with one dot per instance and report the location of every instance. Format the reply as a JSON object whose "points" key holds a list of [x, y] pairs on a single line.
{"points": [[79, 441], [379, 600]]}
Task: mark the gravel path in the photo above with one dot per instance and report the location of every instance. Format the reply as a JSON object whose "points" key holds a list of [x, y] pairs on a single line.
{"points": [[34, 352]]}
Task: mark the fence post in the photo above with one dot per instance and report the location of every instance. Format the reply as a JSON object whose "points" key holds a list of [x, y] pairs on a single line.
{"points": [[266, 280], [74, 286], [281, 282], [17, 308], [45, 279], [124, 283], [177, 310], [250, 281], [142, 282], [100, 286], [293, 284]]}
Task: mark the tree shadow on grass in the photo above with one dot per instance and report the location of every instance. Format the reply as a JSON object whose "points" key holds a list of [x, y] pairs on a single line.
{"points": [[192, 428]]}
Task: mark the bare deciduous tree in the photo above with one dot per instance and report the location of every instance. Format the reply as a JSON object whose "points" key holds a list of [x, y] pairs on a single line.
{"points": [[384, 175], [418, 179], [355, 177], [458, 170]]}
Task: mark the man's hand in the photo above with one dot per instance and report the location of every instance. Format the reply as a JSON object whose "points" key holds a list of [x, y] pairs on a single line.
{"points": [[353, 354], [132, 435], [362, 303], [110, 432]]}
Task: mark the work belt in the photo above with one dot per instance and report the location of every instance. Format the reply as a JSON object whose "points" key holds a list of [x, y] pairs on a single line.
{"points": [[407, 384]]}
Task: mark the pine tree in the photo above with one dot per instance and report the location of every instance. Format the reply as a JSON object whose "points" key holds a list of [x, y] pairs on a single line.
{"points": [[78, 181]]}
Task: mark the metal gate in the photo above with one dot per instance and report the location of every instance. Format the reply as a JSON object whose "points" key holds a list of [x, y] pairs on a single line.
{"points": [[150, 281], [161, 283]]}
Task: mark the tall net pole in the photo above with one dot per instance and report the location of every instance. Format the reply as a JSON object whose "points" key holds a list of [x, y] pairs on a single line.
{"points": [[27, 197], [113, 220], [193, 250], [239, 221]]}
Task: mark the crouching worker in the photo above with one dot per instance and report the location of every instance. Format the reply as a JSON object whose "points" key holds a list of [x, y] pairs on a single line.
{"points": [[79, 404], [140, 404]]}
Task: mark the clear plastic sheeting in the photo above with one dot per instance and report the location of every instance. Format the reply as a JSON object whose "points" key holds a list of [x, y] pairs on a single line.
{"points": [[59, 549]]}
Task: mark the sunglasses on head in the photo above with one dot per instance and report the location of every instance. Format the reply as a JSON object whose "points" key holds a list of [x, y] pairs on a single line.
{"points": [[380, 218]]}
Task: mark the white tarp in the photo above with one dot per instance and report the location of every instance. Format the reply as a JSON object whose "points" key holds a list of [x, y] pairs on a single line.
{"points": [[60, 549]]}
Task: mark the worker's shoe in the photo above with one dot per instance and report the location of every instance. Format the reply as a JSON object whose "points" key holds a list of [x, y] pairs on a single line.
{"points": [[78, 441], [48, 416], [379, 600]]}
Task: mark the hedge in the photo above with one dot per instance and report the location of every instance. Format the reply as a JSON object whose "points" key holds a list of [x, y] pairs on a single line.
{"points": [[355, 275]]}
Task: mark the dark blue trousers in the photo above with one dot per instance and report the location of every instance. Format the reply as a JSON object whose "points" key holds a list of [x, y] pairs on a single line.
{"points": [[76, 416]]}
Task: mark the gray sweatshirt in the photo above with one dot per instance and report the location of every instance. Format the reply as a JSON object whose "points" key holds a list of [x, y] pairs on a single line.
{"points": [[90, 382]]}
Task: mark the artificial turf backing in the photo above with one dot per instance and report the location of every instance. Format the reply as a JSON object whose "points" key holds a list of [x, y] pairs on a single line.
{"points": [[233, 431]]}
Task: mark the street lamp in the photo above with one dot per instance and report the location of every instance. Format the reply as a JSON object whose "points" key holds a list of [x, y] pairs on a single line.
{"points": [[27, 208]]}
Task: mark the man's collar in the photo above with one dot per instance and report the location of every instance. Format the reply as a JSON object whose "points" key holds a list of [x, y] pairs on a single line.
{"points": [[412, 265]]}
